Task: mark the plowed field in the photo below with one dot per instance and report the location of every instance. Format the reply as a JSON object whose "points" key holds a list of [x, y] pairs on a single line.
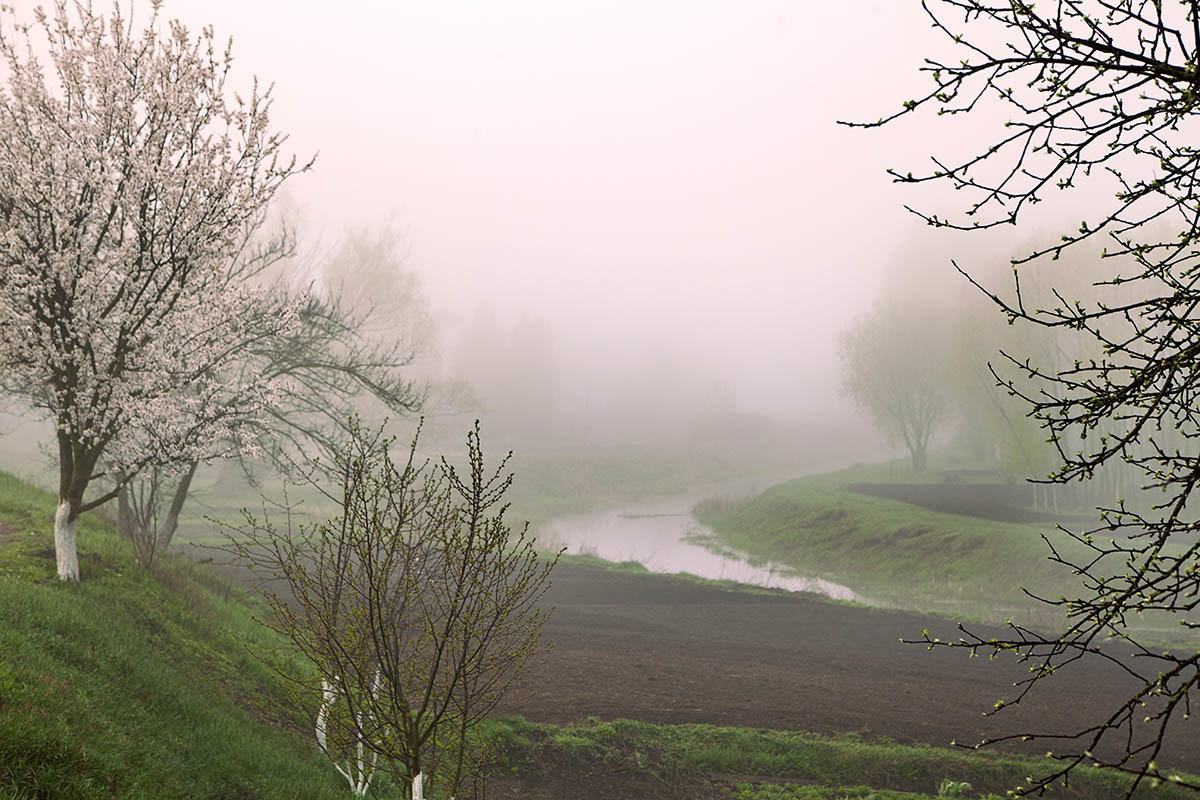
{"points": [[666, 650]]}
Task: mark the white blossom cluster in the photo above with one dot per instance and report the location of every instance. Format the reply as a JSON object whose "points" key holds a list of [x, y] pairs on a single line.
{"points": [[126, 178]]}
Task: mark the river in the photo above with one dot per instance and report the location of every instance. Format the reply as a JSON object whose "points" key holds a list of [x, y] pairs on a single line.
{"points": [[663, 536]]}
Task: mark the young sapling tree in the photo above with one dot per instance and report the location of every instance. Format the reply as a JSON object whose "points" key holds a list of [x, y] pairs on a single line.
{"points": [[415, 602]]}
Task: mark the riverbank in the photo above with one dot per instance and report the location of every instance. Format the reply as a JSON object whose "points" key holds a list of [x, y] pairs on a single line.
{"points": [[548, 484], [894, 553], [945, 548], [662, 536]]}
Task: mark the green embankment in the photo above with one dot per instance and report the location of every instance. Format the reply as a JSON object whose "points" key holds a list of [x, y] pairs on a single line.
{"points": [[896, 553], [135, 685]]}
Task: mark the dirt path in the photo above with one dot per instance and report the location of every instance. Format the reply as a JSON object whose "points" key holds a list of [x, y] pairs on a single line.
{"points": [[666, 650], [994, 501]]}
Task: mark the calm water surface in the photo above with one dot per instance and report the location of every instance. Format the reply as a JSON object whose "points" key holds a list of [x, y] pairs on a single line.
{"points": [[663, 536]]}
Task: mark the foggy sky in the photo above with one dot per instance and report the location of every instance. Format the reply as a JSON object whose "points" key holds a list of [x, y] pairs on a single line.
{"points": [[655, 180]]}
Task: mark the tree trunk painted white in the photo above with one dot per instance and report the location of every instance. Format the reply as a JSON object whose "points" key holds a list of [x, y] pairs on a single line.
{"points": [[360, 778], [65, 526], [418, 789], [328, 695]]}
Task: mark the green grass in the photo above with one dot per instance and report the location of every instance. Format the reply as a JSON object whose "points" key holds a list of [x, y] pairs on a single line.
{"points": [[901, 555], [133, 684], [895, 553], [762, 764]]}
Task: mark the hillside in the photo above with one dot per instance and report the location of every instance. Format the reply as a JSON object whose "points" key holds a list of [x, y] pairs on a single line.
{"points": [[132, 684]]}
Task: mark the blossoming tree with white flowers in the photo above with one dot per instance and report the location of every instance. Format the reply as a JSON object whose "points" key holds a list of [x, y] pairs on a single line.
{"points": [[126, 175]]}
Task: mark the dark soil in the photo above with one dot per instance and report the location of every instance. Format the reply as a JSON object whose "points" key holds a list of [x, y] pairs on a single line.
{"points": [[1002, 502], [668, 650]]}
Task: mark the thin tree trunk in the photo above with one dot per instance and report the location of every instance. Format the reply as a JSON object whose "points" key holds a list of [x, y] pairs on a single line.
{"points": [[461, 754], [66, 523], [181, 493], [125, 518]]}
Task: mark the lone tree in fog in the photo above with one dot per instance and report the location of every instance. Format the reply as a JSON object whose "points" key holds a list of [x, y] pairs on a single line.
{"points": [[126, 178], [1099, 95], [895, 368]]}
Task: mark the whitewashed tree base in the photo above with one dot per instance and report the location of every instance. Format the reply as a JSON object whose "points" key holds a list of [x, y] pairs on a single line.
{"points": [[360, 772], [65, 528]]}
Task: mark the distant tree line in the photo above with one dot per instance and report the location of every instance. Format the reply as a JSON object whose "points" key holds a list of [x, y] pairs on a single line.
{"points": [[929, 367]]}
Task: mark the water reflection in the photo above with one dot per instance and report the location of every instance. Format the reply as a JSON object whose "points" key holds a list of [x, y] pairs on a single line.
{"points": [[664, 537]]}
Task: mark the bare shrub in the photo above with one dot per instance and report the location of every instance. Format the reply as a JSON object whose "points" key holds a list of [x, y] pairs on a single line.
{"points": [[416, 604]]}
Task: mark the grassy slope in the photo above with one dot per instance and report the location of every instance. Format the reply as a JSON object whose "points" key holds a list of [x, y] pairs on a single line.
{"points": [[134, 685], [895, 552]]}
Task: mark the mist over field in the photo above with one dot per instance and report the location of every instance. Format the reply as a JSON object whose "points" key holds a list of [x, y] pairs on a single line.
{"points": [[616, 222], [811, 331], [610, 224], [626, 218], [621, 234]]}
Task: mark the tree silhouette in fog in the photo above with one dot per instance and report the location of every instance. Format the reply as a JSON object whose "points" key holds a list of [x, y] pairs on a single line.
{"points": [[894, 360]]}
